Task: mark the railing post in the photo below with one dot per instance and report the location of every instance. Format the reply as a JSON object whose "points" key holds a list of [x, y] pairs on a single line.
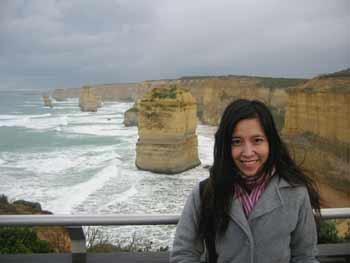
{"points": [[77, 237]]}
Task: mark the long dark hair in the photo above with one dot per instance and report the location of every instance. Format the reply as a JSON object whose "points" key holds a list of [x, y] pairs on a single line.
{"points": [[218, 191]]}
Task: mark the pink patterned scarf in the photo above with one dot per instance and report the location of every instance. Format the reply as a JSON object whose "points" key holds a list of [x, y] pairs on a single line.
{"points": [[249, 196]]}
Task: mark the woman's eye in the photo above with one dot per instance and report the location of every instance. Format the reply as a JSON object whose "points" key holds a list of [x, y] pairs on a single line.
{"points": [[236, 142], [258, 140]]}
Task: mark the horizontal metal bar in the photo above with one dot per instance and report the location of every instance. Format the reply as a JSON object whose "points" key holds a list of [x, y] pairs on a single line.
{"points": [[335, 213], [121, 220], [87, 220]]}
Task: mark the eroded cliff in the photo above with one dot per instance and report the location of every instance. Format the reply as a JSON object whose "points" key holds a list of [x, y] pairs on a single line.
{"points": [[63, 94], [317, 126], [88, 100], [107, 92], [213, 94], [167, 125]]}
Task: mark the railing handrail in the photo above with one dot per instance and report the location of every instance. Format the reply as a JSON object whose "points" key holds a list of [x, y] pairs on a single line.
{"points": [[87, 220], [121, 220], [74, 224]]}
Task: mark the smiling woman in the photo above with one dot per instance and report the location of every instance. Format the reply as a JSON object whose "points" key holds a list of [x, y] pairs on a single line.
{"points": [[256, 206]]}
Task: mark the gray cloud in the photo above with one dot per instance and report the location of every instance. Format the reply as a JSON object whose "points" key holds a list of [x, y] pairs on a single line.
{"points": [[48, 43]]}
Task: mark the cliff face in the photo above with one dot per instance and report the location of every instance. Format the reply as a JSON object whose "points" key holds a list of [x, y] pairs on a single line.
{"points": [[321, 107], [213, 94], [167, 124], [57, 237], [318, 128], [63, 94], [121, 91], [88, 101], [107, 92]]}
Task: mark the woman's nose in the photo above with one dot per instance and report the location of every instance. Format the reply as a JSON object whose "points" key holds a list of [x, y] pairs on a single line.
{"points": [[248, 149]]}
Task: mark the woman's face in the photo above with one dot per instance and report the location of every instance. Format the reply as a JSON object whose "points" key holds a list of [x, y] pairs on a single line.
{"points": [[250, 148]]}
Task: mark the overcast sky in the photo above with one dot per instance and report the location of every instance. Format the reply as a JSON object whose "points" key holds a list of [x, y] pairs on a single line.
{"points": [[51, 43]]}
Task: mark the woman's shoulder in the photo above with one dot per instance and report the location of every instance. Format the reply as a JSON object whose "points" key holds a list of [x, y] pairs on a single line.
{"points": [[295, 191], [201, 185], [197, 190], [284, 183]]}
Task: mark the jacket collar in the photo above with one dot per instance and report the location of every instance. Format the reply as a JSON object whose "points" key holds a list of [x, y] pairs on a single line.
{"points": [[270, 200]]}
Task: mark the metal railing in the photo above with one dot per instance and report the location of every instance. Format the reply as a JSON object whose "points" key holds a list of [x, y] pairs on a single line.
{"points": [[74, 223], [121, 220]]}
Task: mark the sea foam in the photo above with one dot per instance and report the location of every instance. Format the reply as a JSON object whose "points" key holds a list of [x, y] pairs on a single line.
{"points": [[36, 122], [70, 197]]}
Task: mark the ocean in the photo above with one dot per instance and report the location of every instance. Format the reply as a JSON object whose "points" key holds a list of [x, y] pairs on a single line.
{"points": [[74, 162]]}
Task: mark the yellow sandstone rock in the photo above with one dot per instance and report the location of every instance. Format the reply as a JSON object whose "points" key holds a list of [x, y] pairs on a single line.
{"points": [[324, 112], [88, 101], [167, 131], [317, 125], [47, 101]]}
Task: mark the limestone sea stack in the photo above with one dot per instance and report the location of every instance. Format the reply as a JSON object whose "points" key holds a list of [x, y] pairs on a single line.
{"points": [[131, 116], [59, 95], [88, 100], [167, 131], [47, 101]]}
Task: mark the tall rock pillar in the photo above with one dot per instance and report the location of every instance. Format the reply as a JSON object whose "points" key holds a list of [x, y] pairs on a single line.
{"points": [[167, 131], [88, 100]]}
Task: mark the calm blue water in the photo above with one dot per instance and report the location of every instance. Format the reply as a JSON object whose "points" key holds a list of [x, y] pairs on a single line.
{"points": [[83, 163]]}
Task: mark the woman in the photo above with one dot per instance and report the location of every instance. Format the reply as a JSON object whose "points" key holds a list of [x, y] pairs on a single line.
{"points": [[256, 206]]}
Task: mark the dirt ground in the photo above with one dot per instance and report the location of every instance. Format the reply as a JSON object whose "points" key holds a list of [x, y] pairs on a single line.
{"points": [[332, 198]]}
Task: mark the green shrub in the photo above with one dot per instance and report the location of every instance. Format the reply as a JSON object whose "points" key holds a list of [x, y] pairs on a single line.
{"points": [[15, 240], [165, 93], [328, 232]]}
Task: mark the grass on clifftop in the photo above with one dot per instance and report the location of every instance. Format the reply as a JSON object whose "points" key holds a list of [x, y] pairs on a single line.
{"points": [[268, 82], [341, 73], [273, 83], [165, 93]]}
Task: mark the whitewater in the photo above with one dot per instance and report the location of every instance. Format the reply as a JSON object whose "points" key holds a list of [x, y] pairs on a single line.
{"points": [[74, 162]]}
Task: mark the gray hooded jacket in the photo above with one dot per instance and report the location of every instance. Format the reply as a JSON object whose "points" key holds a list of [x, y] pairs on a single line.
{"points": [[280, 228]]}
